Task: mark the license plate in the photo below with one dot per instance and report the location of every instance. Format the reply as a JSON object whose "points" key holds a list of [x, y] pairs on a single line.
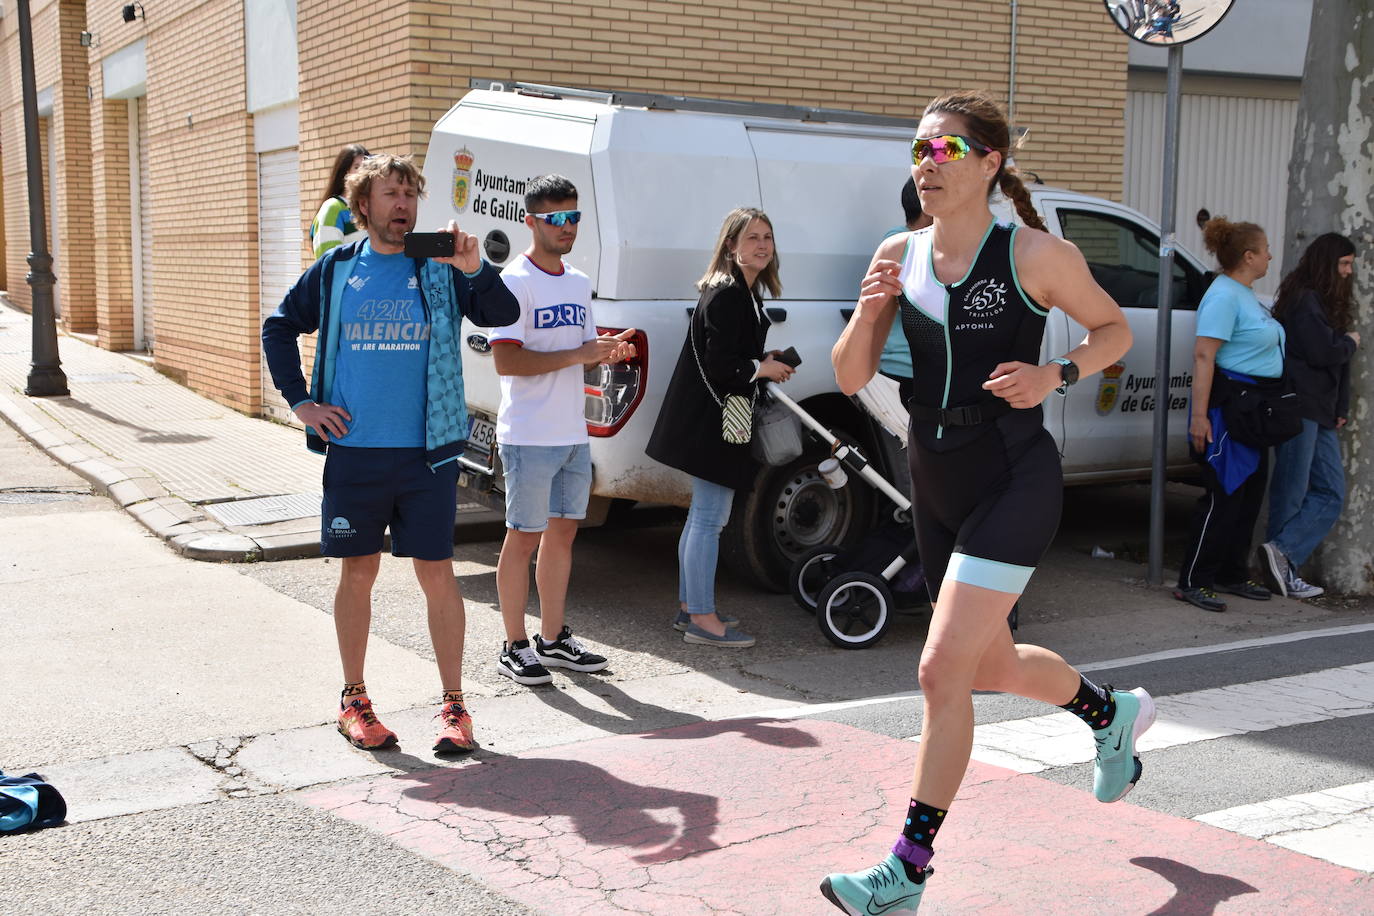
{"points": [[481, 441]]}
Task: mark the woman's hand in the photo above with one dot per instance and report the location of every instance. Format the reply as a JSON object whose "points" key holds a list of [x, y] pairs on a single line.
{"points": [[1022, 385], [1200, 432], [774, 370], [879, 286], [1340, 421], [1354, 335]]}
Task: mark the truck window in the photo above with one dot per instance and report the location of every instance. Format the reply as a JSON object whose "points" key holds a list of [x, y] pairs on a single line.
{"points": [[1124, 259]]}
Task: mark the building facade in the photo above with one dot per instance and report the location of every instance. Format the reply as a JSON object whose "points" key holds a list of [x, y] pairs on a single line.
{"points": [[186, 148]]}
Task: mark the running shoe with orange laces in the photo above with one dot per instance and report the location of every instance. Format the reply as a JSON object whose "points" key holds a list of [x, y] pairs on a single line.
{"points": [[456, 736], [358, 723]]}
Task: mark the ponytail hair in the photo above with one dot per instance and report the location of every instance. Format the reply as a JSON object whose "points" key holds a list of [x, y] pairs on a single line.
{"points": [[985, 122], [1230, 241]]}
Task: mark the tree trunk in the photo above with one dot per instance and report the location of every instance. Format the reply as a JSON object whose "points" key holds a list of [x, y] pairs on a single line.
{"points": [[1331, 188]]}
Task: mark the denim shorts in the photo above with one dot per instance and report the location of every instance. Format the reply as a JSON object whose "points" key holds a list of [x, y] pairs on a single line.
{"points": [[368, 490], [544, 482]]}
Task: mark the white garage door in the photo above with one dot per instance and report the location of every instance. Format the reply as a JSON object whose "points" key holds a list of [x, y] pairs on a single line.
{"points": [[1233, 161], [279, 249]]}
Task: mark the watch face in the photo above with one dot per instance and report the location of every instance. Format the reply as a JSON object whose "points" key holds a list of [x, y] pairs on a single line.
{"points": [[1068, 371]]}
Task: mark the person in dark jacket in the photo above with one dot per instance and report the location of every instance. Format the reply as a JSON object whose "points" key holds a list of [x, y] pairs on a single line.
{"points": [[722, 355], [1308, 487]]}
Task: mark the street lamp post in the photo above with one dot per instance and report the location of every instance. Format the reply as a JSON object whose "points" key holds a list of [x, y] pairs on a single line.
{"points": [[46, 378]]}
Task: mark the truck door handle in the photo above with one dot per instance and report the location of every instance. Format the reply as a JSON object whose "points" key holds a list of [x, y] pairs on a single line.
{"points": [[846, 314], [776, 315]]}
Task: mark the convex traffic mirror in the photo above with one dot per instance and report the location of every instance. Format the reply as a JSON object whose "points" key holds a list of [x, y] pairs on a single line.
{"points": [[1166, 22]]}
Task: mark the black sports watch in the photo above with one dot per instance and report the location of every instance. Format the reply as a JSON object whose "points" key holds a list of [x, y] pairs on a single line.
{"points": [[1068, 373]]}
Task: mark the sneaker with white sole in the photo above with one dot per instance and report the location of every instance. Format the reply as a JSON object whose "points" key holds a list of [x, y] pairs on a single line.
{"points": [[1297, 588], [1275, 567], [1117, 768], [883, 890], [519, 662], [567, 652]]}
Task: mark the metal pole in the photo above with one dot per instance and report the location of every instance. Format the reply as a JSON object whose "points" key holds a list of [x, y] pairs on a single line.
{"points": [[1159, 462], [46, 378]]}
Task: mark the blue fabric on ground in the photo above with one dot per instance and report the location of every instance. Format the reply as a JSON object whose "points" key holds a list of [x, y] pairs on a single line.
{"points": [[27, 802]]}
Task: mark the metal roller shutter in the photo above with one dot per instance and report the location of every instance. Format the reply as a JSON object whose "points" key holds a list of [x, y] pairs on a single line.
{"points": [[279, 249]]}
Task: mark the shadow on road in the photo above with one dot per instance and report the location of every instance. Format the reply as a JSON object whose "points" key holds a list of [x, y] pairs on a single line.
{"points": [[1196, 893]]}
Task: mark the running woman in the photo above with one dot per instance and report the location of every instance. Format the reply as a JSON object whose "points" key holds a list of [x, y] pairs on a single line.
{"points": [[972, 296]]}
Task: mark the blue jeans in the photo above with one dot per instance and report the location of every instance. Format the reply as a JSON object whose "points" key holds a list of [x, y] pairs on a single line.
{"points": [[1306, 492], [699, 545]]}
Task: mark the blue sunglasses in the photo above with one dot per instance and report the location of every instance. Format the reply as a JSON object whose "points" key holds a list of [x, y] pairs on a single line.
{"points": [[560, 217]]}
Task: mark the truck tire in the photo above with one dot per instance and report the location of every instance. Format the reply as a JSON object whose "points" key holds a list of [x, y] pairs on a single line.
{"points": [[790, 511]]}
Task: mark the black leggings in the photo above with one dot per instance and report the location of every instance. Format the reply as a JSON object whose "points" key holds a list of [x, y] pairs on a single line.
{"points": [[1223, 525]]}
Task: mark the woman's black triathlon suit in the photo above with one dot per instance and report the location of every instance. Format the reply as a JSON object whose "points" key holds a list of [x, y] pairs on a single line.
{"points": [[987, 486]]}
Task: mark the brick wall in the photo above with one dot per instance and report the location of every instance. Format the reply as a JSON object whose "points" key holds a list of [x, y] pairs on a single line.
{"points": [[381, 74]]}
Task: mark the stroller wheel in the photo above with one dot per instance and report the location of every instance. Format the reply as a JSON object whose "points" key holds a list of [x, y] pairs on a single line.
{"points": [[810, 573], [853, 610]]}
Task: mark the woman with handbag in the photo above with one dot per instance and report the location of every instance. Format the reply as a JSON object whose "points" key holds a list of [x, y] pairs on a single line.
{"points": [[987, 486], [1308, 485], [1239, 348], [704, 425]]}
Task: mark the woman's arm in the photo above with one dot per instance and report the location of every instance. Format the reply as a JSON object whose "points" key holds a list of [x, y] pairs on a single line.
{"points": [[1054, 273], [856, 354], [1204, 367]]}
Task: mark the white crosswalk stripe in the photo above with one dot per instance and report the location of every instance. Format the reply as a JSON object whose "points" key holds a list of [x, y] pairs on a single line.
{"points": [[1335, 824]]}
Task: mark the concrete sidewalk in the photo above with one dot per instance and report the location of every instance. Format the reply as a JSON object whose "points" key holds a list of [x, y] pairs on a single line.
{"points": [[214, 484]]}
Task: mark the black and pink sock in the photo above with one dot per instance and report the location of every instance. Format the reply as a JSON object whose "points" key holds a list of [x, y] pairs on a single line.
{"points": [[1092, 704], [915, 847]]}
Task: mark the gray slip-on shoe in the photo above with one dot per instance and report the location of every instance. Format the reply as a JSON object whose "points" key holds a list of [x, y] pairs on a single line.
{"points": [[732, 638]]}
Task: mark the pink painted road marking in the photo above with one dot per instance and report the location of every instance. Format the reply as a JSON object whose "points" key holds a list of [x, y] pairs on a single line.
{"points": [[745, 817]]}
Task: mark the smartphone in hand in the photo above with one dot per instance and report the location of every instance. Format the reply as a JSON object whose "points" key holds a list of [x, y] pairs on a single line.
{"points": [[790, 356], [429, 244]]}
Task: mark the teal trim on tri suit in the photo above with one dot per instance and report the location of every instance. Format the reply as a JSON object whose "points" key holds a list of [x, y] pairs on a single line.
{"points": [[992, 574], [1016, 279]]}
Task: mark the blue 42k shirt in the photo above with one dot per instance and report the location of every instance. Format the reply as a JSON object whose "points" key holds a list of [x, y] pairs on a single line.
{"points": [[383, 354]]}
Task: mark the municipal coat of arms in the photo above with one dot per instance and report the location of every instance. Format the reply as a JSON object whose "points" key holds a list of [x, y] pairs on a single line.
{"points": [[462, 178]]}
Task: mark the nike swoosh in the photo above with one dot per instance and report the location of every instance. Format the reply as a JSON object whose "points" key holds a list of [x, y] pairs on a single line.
{"points": [[1118, 741], [885, 906]]}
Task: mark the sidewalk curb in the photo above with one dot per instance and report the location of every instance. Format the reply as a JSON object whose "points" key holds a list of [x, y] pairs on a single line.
{"points": [[182, 525]]}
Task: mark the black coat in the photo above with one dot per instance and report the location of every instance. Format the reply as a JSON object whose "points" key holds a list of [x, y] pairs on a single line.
{"points": [[1317, 360], [729, 327]]}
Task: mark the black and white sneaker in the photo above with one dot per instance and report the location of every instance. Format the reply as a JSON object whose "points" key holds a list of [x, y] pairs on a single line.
{"points": [[519, 662], [567, 652], [1275, 568]]}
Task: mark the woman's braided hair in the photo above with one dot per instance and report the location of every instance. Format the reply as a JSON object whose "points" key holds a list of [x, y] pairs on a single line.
{"points": [[988, 125]]}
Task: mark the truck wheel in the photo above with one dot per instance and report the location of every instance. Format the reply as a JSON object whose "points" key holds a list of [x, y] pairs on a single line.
{"points": [[790, 511]]}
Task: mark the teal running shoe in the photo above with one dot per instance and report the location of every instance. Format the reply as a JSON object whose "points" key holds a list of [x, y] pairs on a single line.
{"points": [[1118, 768], [882, 890]]}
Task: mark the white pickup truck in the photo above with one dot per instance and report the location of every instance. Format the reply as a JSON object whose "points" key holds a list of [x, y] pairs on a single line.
{"points": [[656, 176]]}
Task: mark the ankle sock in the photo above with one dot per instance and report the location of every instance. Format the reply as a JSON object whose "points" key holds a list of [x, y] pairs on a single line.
{"points": [[352, 692], [1092, 704], [915, 847]]}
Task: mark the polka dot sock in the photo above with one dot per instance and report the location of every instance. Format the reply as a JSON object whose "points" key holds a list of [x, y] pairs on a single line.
{"points": [[915, 846], [1092, 704]]}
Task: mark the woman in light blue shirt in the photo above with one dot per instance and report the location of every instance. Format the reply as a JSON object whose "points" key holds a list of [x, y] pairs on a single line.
{"points": [[1236, 337]]}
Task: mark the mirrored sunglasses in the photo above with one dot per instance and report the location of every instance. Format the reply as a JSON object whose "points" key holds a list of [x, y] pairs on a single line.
{"points": [[560, 217], [948, 148]]}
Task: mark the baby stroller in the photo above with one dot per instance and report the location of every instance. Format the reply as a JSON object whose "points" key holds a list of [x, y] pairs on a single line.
{"points": [[854, 592]]}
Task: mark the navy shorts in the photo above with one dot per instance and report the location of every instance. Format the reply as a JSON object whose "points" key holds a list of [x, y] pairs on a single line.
{"points": [[367, 490]]}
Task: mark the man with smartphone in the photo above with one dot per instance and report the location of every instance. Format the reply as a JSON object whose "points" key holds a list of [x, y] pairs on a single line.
{"points": [[541, 432], [385, 404]]}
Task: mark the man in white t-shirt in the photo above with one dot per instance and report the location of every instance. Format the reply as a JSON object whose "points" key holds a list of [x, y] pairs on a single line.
{"points": [[541, 432]]}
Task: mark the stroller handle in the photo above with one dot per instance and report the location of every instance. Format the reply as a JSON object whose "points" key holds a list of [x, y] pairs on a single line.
{"points": [[851, 456]]}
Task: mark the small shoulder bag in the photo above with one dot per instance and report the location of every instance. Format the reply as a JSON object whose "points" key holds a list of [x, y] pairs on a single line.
{"points": [[736, 411]]}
